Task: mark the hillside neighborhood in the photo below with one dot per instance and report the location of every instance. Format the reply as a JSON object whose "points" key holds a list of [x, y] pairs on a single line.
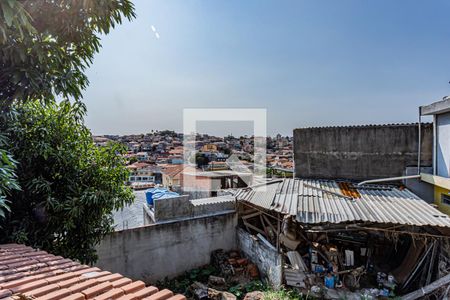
{"points": [[352, 203]]}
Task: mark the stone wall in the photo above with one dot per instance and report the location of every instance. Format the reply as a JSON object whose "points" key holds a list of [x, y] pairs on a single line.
{"points": [[360, 152], [169, 249]]}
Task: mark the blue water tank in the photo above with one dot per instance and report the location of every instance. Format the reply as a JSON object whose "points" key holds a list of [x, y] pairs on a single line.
{"points": [[158, 193]]}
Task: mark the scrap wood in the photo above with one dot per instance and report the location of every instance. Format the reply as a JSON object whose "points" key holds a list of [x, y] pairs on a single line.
{"points": [[420, 293], [251, 215]]}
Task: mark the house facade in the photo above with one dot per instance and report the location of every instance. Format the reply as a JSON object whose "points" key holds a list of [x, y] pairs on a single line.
{"points": [[440, 111]]}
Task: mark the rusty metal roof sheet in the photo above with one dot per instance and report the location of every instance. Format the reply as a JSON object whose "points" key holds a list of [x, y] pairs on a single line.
{"points": [[328, 201]]}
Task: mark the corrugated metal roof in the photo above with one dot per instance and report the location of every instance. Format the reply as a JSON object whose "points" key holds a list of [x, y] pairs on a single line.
{"points": [[326, 201], [213, 200]]}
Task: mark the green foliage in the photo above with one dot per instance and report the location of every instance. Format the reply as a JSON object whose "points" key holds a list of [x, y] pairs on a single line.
{"points": [[46, 45], [284, 294], [8, 178], [69, 186], [241, 289]]}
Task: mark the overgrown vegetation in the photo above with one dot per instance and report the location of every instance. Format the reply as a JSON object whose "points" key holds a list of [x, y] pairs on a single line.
{"points": [[182, 283], [46, 45], [285, 294], [8, 178], [69, 185], [57, 190]]}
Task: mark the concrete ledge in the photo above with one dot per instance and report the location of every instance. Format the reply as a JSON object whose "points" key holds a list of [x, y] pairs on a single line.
{"points": [[435, 108], [436, 180]]}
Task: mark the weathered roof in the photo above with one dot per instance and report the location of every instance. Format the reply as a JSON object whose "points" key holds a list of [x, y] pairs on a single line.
{"points": [[213, 200], [26, 273], [328, 201], [436, 108]]}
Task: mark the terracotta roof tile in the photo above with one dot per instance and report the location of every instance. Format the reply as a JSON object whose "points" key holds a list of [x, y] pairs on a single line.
{"points": [[177, 297], [110, 278], [83, 285], [148, 291], [5, 293], [161, 295], [42, 290], [97, 289], [56, 295], [133, 287], [121, 282], [127, 297], [76, 296], [26, 272], [111, 294], [70, 282], [29, 286], [95, 274], [88, 270]]}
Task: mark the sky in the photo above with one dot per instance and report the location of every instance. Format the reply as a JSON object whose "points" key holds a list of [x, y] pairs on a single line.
{"points": [[309, 63]]}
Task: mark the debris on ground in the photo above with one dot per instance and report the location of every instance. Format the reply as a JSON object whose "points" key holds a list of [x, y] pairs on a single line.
{"points": [[230, 276], [254, 296]]}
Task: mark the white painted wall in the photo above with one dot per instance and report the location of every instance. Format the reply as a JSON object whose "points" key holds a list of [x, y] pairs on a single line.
{"points": [[443, 145]]}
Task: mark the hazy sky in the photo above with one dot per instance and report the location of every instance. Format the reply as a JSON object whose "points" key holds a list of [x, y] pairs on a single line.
{"points": [[310, 63]]}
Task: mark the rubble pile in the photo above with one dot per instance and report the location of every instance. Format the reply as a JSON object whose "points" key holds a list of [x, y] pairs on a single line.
{"points": [[234, 271]]}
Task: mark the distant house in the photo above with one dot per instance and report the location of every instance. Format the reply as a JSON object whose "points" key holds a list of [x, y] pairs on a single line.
{"points": [[175, 159], [134, 147], [207, 183], [171, 175], [142, 156], [144, 172], [441, 152], [209, 148], [216, 166]]}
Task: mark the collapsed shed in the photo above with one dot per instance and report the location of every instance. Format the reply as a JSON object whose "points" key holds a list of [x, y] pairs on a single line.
{"points": [[369, 236]]}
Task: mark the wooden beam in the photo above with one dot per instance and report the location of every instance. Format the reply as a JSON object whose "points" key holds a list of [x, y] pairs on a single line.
{"points": [[254, 228], [268, 222], [258, 213]]}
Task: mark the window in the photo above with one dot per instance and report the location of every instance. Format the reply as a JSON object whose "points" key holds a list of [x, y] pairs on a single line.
{"points": [[445, 199]]}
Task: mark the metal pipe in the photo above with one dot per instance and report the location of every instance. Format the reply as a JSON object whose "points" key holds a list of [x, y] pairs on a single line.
{"points": [[419, 146], [389, 179]]}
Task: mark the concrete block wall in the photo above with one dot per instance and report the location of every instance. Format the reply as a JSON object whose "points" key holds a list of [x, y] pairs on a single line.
{"points": [[360, 152], [157, 251], [268, 260]]}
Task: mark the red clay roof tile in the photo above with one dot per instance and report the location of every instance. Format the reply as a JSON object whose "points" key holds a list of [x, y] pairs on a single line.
{"points": [[29, 286], [76, 296], [109, 295], [26, 272], [161, 295], [97, 289], [177, 297], [56, 295], [70, 282], [121, 282], [127, 297], [5, 293], [146, 292], [110, 278], [83, 285], [133, 287], [42, 290]]}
